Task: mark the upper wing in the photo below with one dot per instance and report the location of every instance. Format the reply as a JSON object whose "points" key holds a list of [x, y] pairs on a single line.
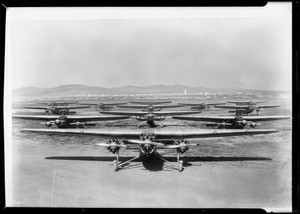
{"points": [[79, 118], [218, 119], [127, 113], [245, 102], [170, 113], [265, 118], [160, 134], [36, 107], [270, 106], [231, 107], [59, 103], [36, 117], [206, 118], [71, 107], [197, 104], [147, 106], [150, 101], [106, 104], [82, 118], [113, 104], [133, 106]]}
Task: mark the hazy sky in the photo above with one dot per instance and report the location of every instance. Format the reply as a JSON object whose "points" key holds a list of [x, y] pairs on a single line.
{"points": [[201, 49]]}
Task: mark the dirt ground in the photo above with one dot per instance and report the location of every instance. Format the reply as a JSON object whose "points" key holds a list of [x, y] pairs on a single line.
{"points": [[68, 171]]}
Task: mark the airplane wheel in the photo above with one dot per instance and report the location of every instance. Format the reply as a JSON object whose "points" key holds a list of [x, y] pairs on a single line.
{"points": [[115, 165]]}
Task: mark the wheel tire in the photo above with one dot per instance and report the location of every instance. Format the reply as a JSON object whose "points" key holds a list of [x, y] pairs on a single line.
{"points": [[180, 168]]}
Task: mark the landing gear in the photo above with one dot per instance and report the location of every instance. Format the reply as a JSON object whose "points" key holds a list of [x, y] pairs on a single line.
{"points": [[118, 165], [179, 166], [115, 165]]}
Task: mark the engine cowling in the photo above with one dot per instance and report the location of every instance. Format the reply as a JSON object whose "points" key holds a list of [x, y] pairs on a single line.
{"points": [[183, 146], [141, 118], [48, 124], [159, 118], [113, 148]]}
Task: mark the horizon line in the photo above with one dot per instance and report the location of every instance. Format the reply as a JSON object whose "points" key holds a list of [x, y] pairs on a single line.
{"points": [[151, 86]]}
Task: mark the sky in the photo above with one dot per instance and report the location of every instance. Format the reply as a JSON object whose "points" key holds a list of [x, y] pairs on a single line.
{"points": [[114, 47]]}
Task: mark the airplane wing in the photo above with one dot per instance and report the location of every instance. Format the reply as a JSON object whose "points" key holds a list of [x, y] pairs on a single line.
{"points": [[79, 118], [270, 106], [36, 117], [243, 102], [231, 107], [142, 113], [170, 113], [59, 103], [36, 107], [160, 134], [147, 106], [265, 118], [216, 119], [197, 104], [127, 113], [150, 101], [106, 104], [219, 119], [71, 107]]}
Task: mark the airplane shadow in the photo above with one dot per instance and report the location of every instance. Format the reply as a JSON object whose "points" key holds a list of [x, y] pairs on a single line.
{"points": [[155, 164]]}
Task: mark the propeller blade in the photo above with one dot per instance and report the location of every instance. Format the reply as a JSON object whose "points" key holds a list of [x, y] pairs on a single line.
{"points": [[107, 145]]}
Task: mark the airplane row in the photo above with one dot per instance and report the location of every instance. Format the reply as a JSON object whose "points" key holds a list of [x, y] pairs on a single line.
{"points": [[150, 112], [148, 141]]}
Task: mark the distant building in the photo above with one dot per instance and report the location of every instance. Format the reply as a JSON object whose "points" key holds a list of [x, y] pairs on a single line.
{"points": [[185, 92]]}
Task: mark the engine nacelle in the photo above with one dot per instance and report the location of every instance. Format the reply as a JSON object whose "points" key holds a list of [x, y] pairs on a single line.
{"points": [[48, 124], [141, 118], [159, 118], [113, 146]]}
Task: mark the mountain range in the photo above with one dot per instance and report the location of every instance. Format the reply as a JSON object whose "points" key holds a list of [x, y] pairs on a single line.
{"points": [[74, 89]]}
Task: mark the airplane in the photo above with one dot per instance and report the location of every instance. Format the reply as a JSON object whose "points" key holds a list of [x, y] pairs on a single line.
{"points": [[200, 106], [71, 121], [148, 102], [236, 122], [148, 141], [104, 106], [150, 107], [149, 116], [245, 109], [57, 103], [245, 102], [59, 110]]}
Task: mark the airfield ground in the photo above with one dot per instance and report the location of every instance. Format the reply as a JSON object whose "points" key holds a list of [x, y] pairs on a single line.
{"points": [[60, 171]]}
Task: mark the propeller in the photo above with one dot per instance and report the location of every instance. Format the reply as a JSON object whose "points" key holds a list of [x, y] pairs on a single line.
{"points": [[113, 145], [181, 145], [48, 123]]}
